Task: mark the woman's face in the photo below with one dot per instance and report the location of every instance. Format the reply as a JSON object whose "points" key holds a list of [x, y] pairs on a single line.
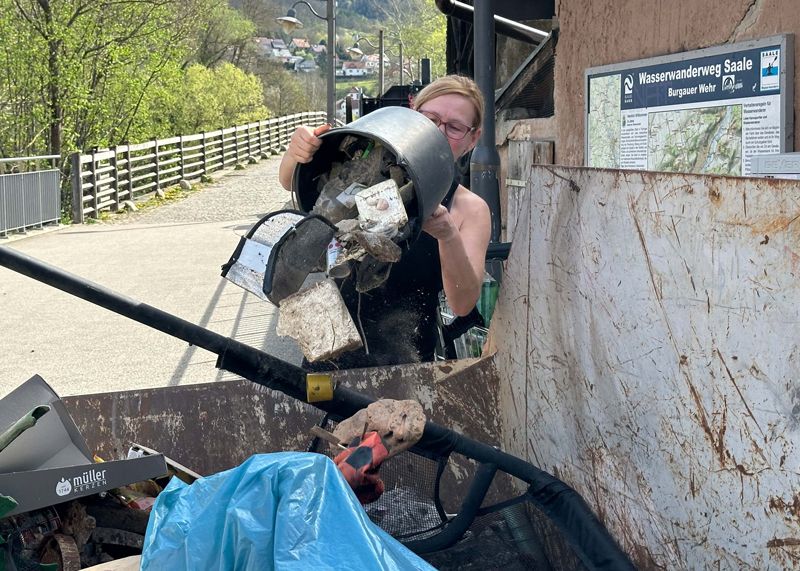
{"points": [[459, 114]]}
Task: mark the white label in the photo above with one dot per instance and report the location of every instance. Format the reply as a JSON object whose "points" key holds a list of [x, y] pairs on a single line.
{"points": [[381, 205]]}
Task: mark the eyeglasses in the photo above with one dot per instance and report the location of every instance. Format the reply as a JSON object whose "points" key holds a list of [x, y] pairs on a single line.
{"points": [[453, 130]]}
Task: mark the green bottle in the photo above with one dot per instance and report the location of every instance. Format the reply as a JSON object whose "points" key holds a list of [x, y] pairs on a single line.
{"points": [[488, 298]]}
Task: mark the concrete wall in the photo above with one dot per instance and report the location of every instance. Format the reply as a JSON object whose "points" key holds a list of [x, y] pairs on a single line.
{"points": [[600, 32], [648, 347]]}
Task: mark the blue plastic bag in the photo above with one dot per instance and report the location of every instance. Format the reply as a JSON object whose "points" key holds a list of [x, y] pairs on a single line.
{"points": [[290, 510]]}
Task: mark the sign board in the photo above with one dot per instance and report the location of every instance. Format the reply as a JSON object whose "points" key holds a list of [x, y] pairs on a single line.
{"points": [[704, 111]]}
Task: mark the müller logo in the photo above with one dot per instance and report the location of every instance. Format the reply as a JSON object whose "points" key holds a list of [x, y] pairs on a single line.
{"points": [[90, 479]]}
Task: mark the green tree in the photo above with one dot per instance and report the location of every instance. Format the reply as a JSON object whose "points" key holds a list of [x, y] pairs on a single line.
{"points": [[99, 48], [287, 91], [23, 110], [423, 30], [225, 36]]}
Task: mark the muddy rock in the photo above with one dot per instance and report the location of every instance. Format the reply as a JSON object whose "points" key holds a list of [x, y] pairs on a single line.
{"points": [[318, 320], [399, 422]]}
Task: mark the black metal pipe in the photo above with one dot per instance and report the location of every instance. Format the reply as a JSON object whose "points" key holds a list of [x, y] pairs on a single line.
{"points": [[563, 505], [504, 26], [485, 160], [272, 372]]}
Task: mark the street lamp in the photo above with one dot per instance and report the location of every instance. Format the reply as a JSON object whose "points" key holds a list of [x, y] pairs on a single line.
{"points": [[402, 64], [355, 50], [289, 22]]}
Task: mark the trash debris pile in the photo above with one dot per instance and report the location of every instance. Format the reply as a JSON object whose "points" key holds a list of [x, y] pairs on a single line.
{"points": [[369, 197], [366, 210], [59, 504]]}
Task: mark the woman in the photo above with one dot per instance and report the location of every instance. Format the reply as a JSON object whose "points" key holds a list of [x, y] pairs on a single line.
{"points": [[399, 318]]}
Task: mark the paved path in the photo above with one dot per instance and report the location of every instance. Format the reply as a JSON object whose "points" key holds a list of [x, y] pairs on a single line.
{"points": [[168, 257]]}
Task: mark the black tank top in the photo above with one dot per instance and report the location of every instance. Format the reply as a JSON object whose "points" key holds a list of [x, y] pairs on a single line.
{"points": [[399, 318]]}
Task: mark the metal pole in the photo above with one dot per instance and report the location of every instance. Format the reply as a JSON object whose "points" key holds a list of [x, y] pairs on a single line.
{"points": [[331, 17], [400, 49], [503, 26], [380, 63], [485, 162]]}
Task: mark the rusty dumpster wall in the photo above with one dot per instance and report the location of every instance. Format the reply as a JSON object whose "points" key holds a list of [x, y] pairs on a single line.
{"points": [[213, 427], [647, 344]]}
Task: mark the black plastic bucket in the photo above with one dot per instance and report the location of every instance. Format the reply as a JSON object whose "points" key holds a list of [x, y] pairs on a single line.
{"points": [[418, 145]]}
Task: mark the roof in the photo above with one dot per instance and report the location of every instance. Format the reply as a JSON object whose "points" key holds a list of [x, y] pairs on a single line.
{"points": [[301, 43]]}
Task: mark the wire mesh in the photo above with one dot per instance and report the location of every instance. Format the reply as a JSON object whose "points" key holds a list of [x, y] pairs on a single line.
{"points": [[509, 534]]}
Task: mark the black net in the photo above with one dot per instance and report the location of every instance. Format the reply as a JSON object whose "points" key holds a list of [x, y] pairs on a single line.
{"points": [[536, 96], [421, 500], [514, 536]]}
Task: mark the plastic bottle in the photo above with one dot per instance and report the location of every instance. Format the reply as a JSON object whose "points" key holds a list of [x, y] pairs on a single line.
{"points": [[488, 298]]}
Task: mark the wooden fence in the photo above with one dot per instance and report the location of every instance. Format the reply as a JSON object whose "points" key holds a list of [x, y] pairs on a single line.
{"points": [[105, 179]]}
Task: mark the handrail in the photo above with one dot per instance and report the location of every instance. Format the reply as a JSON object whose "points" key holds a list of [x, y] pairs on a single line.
{"points": [[107, 179], [36, 158]]}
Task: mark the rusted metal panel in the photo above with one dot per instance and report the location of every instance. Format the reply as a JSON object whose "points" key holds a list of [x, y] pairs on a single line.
{"points": [[206, 427], [647, 334], [213, 427]]}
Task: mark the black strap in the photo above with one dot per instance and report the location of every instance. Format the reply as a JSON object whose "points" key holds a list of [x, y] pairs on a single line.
{"points": [[461, 325]]}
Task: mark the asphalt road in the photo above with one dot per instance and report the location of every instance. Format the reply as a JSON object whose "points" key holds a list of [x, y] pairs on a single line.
{"points": [[168, 257]]}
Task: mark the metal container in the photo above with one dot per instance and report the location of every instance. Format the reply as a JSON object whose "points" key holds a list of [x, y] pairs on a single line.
{"points": [[420, 148]]}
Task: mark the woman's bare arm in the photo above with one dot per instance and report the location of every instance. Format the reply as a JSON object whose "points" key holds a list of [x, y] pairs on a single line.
{"points": [[463, 236]]}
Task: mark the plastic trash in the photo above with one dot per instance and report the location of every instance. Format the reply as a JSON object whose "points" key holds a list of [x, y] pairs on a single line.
{"points": [[289, 510]]}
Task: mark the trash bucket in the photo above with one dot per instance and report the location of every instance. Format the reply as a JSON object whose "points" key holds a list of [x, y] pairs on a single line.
{"points": [[417, 144]]}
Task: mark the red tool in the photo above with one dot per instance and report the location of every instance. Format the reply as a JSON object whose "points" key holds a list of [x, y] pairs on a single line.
{"points": [[359, 464]]}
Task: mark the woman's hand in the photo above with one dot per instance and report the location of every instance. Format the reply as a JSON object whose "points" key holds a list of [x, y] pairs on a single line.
{"points": [[304, 143], [441, 225]]}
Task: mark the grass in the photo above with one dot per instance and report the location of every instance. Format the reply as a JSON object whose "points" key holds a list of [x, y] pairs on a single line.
{"points": [[368, 85]]}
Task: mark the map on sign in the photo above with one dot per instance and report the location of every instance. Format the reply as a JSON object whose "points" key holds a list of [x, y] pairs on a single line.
{"points": [[706, 140], [708, 111], [605, 121]]}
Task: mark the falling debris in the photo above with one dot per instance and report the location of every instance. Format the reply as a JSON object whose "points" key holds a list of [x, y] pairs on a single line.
{"points": [[318, 320], [363, 215]]}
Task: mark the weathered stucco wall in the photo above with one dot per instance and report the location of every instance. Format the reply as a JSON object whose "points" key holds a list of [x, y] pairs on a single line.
{"points": [[601, 32], [648, 347]]}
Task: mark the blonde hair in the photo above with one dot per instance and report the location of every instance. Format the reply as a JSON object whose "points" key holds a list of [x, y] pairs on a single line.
{"points": [[457, 85]]}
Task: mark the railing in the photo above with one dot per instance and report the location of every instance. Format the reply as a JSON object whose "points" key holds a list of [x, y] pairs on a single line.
{"points": [[29, 199], [106, 179]]}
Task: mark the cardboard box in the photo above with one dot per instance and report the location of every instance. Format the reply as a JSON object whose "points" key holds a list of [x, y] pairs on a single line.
{"points": [[50, 462]]}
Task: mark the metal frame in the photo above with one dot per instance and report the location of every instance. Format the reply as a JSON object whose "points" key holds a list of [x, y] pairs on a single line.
{"points": [[30, 199]]}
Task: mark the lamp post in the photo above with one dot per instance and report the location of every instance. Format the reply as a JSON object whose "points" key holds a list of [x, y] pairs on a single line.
{"points": [[381, 49], [289, 22], [400, 59], [357, 51]]}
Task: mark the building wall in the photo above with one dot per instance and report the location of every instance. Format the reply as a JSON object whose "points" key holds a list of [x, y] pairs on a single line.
{"points": [[600, 32]]}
